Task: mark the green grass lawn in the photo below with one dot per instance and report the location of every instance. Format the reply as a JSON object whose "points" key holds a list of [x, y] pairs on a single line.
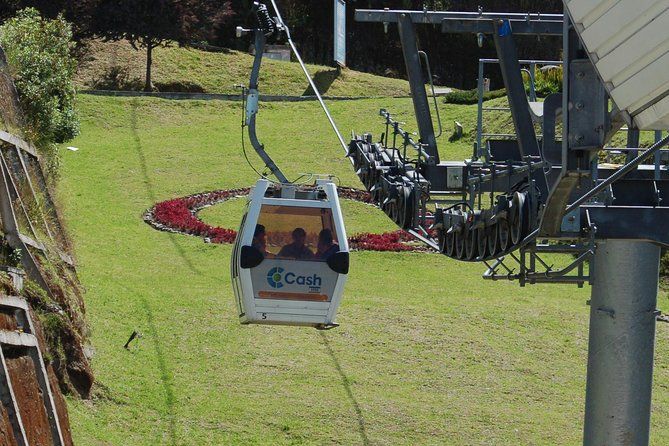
{"points": [[220, 72], [427, 353]]}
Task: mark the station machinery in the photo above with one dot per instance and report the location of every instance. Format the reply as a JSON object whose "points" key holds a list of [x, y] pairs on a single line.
{"points": [[517, 200]]}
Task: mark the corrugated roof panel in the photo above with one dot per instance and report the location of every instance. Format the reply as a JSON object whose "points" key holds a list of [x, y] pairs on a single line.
{"points": [[584, 12], [628, 41], [656, 117], [636, 52], [645, 86], [619, 24]]}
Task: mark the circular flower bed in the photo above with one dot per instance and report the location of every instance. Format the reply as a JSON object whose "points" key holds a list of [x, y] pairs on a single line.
{"points": [[180, 215]]}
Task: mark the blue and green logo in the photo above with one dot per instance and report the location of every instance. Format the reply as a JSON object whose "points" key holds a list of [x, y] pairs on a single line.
{"points": [[274, 277]]}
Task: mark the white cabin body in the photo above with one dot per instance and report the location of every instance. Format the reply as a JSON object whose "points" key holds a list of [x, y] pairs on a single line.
{"points": [[278, 280]]}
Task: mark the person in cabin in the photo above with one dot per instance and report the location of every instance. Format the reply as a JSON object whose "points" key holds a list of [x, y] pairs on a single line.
{"points": [[297, 250], [259, 240], [326, 245]]}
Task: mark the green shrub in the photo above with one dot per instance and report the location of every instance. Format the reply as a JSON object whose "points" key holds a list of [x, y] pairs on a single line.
{"points": [[179, 87], [664, 264], [546, 82], [39, 55], [117, 78], [472, 96]]}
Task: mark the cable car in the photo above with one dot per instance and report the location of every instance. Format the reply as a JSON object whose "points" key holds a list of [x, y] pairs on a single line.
{"points": [[290, 258]]}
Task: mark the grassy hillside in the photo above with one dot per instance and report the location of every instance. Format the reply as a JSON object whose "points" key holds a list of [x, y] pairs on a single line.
{"points": [[427, 352], [220, 72]]}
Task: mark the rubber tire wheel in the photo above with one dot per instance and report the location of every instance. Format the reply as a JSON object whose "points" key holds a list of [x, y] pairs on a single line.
{"points": [[407, 208], [504, 235], [493, 240], [460, 244], [471, 244], [392, 209], [482, 243], [518, 217], [527, 209], [450, 245], [378, 196], [371, 177], [442, 240]]}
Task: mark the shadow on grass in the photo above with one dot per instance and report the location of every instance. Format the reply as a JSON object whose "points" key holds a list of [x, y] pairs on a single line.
{"points": [[165, 376], [323, 80], [149, 185], [347, 387]]}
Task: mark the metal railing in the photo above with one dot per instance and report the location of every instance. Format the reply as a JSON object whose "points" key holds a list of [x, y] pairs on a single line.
{"points": [[660, 155], [480, 135]]}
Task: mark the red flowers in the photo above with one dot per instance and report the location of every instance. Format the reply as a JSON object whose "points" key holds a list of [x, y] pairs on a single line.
{"points": [[179, 215], [388, 241]]}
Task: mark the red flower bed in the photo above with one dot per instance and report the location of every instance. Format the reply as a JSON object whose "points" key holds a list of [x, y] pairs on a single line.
{"points": [[180, 215], [388, 241], [177, 214]]}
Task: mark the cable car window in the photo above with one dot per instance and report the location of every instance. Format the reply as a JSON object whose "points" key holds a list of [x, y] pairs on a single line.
{"points": [[300, 233]]}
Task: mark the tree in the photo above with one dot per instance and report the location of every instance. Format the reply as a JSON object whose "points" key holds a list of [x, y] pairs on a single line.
{"points": [[151, 23], [77, 12], [454, 57], [39, 55]]}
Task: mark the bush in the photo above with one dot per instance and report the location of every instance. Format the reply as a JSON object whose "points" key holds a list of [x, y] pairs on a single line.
{"points": [[472, 96], [179, 87], [546, 81], [117, 78], [664, 264], [39, 54]]}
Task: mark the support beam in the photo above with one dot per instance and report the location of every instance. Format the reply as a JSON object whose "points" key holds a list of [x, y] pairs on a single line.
{"points": [[417, 83], [11, 229], [520, 27], [633, 137], [621, 346], [436, 17], [18, 143], [515, 90]]}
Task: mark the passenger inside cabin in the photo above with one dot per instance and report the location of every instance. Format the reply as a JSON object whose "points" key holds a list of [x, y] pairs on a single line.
{"points": [[259, 240], [326, 245], [297, 249]]}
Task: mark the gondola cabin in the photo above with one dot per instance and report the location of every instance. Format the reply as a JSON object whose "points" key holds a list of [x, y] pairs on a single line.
{"points": [[290, 259]]}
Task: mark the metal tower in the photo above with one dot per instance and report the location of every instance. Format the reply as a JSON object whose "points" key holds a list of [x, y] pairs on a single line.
{"points": [[517, 199]]}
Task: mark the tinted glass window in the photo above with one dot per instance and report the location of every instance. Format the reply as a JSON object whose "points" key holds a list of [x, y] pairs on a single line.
{"points": [[296, 232]]}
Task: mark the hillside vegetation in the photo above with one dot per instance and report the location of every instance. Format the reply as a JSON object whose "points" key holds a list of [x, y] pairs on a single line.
{"points": [[191, 69], [427, 353]]}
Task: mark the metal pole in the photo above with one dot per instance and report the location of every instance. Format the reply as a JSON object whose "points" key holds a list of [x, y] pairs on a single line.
{"points": [[633, 137], [621, 346], [417, 85], [658, 155], [479, 118], [515, 90], [252, 109], [533, 87]]}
